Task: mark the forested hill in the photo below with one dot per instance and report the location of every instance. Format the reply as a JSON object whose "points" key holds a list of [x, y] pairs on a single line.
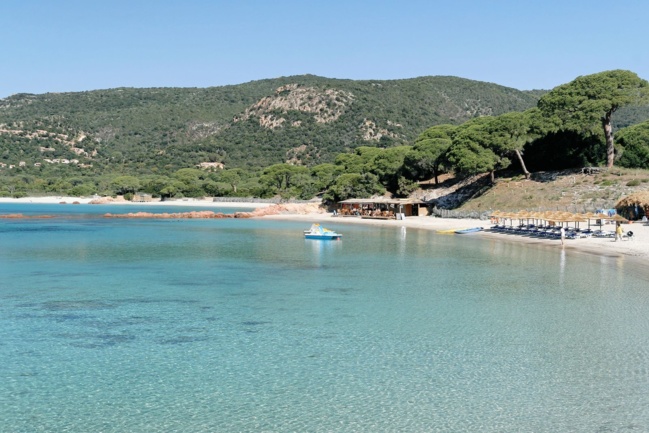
{"points": [[303, 119]]}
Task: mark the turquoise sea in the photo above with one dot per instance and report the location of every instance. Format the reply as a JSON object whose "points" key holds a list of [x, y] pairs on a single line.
{"points": [[237, 325]]}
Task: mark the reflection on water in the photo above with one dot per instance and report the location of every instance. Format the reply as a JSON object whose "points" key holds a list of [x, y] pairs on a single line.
{"points": [[401, 242], [321, 249], [562, 267]]}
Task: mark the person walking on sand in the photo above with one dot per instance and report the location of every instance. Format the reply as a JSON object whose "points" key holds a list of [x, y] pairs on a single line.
{"points": [[618, 231], [563, 235]]}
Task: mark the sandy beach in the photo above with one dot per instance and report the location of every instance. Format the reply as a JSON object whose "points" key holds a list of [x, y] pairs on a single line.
{"points": [[636, 249]]}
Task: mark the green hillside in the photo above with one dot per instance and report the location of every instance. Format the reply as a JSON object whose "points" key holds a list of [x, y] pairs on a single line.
{"points": [[302, 119]]}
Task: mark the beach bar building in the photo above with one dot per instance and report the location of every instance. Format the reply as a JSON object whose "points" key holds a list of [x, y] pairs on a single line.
{"points": [[634, 206], [382, 208]]}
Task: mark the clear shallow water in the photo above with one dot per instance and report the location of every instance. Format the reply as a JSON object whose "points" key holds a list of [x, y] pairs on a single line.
{"points": [[242, 325]]}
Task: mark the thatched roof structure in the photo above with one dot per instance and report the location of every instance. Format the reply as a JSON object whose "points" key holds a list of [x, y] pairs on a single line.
{"points": [[640, 198], [634, 206]]}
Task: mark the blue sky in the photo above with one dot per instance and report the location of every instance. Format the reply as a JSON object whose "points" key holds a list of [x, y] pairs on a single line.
{"points": [[76, 45]]}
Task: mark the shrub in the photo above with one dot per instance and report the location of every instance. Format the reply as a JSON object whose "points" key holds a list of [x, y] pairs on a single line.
{"points": [[82, 190], [634, 182]]}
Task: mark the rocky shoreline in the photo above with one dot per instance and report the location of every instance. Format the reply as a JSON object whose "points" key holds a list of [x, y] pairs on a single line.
{"points": [[278, 209]]}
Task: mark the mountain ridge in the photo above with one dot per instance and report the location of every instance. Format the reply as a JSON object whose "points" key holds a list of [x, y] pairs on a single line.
{"points": [[171, 128], [301, 119]]}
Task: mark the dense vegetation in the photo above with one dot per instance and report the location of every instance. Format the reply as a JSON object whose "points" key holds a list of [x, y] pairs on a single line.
{"points": [[168, 129], [306, 135]]}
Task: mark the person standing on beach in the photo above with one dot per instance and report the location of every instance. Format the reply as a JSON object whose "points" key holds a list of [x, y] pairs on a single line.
{"points": [[563, 235], [618, 231]]}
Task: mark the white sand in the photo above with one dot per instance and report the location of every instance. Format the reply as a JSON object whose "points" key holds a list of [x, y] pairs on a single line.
{"points": [[635, 249]]}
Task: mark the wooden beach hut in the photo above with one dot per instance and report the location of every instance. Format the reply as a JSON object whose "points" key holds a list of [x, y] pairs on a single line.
{"points": [[634, 206], [382, 208]]}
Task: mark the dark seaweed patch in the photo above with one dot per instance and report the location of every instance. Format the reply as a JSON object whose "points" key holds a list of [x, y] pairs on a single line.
{"points": [[254, 323], [154, 301], [27, 305], [121, 322], [113, 339], [182, 339], [75, 305], [344, 290], [99, 341], [65, 317], [187, 283]]}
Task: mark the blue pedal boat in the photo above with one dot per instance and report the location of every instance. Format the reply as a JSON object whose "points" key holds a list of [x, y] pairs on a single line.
{"points": [[320, 233]]}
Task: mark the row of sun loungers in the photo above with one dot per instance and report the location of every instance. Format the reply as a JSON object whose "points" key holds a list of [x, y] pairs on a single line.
{"points": [[551, 232]]}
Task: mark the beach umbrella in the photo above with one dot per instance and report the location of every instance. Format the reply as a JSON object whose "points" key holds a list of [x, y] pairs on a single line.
{"points": [[498, 215], [513, 216], [589, 216], [553, 217], [518, 215], [569, 217], [579, 219], [538, 216], [523, 214], [618, 218], [601, 217], [558, 219], [507, 216]]}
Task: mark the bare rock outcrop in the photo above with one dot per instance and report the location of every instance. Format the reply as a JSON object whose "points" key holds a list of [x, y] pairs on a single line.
{"points": [[13, 216], [206, 214], [107, 200], [289, 209], [324, 105]]}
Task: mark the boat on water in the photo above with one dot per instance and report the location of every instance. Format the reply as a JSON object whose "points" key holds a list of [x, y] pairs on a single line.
{"points": [[469, 230], [318, 232]]}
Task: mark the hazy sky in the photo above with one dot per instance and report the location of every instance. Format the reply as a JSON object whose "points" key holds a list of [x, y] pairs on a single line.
{"points": [[75, 45]]}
